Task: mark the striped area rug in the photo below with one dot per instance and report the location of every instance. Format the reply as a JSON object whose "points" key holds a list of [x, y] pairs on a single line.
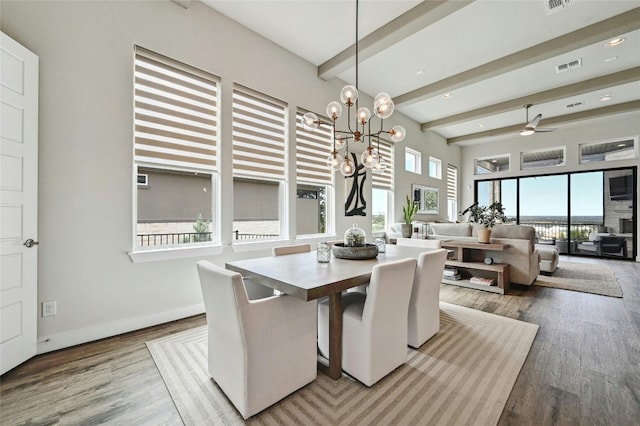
{"points": [[463, 375]]}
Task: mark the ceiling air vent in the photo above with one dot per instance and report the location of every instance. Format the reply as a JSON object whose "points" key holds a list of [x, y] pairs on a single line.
{"points": [[553, 6], [575, 104], [576, 63]]}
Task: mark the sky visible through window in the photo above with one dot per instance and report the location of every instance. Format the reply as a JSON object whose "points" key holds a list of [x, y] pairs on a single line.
{"points": [[547, 195]]}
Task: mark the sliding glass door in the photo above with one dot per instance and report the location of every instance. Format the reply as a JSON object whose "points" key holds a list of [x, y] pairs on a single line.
{"points": [[543, 205], [589, 213]]}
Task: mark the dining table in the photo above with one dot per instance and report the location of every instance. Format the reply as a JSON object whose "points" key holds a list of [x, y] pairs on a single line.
{"points": [[300, 275]]}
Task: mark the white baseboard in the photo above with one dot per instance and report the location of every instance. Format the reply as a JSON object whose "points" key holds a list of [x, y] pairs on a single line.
{"points": [[100, 331]]}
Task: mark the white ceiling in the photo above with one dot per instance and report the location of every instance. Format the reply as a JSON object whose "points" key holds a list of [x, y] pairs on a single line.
{"points": [[415, 57]]}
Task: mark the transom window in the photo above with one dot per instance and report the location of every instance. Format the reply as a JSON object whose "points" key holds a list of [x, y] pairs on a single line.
{"points": [[609, 151], [493, 164], [435, 168], [412, 160], [548, 157]]}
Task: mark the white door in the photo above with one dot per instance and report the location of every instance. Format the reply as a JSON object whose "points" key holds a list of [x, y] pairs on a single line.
{"points": [[18, 203]]}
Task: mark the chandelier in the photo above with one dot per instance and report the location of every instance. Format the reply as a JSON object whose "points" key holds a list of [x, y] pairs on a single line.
{"points": [[360, 131]]}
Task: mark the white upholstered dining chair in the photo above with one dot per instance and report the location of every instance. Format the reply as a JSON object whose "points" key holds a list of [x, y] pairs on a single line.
{"points": [[424, 305], [258, 291], [419, 242], [284, 250], [258, 351], [374, 327]]}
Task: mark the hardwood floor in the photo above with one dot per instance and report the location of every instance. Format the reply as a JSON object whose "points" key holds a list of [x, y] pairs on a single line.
{"points": [[583, 368]]}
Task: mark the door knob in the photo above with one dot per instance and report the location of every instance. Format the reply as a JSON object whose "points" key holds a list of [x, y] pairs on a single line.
{"points": [[30, 243]]}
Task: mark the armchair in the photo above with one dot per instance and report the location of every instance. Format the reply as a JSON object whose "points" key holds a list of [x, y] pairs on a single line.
{"points": [[374, 339], [604, 244], [258, 351]]}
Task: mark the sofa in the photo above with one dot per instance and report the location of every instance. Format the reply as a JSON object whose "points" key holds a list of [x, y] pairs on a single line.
{"points": [[521, 255]]}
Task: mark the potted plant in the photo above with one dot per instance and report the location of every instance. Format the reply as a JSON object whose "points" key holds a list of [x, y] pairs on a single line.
{"points": [[487, 216], [409, 211]]}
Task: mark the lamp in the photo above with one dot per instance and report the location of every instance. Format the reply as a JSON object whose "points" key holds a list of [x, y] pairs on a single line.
{"points": [[383, 107]]}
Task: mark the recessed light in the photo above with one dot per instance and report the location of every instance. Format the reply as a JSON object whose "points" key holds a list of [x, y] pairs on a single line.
{"points": [[447, 96], [621, 145], [480, 125], [420, 72], [494, 161], [615, 42], [611, 59], [605, 97]]}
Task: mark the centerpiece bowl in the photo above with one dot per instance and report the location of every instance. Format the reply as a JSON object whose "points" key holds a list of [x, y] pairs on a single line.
{"points": [[367, 251]]}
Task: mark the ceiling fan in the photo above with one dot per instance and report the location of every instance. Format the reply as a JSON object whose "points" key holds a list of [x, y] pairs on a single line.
{"points": [[532, 126]]}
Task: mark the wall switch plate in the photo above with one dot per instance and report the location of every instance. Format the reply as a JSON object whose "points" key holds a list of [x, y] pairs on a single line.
{"points": [[49, 309]]}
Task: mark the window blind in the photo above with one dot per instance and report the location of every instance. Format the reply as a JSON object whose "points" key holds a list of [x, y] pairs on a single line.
{"points": [[384, 180], [259, 135], [176, 112], [452, 182], [313, 147]]}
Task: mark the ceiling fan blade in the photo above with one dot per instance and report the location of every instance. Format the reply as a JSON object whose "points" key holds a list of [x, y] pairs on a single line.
{"points": [[536, 120]]}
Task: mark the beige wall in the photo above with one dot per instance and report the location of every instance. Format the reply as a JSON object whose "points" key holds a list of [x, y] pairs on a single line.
{"points": [[86, 152]]}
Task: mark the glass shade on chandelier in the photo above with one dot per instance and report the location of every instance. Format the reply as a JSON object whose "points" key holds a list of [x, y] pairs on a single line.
{"points": [[347, 167]]}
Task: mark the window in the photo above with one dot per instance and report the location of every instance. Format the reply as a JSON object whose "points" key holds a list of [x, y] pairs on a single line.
{"points": [[565, 208], [259, 160], [175, 141], [435, 168], [379, 210], [382, 188], [314, 179], [452, 193], [548, 157], [494, 164], [608, 151], [412, 161]]}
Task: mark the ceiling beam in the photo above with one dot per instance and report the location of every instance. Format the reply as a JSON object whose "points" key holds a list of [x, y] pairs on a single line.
{"points": [[615, 79], [420, 17], [182, 3], [561, 119], [595, 33]]}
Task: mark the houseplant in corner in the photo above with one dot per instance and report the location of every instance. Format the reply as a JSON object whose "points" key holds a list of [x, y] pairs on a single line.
{"points": [[409, 211], [487, 216]]}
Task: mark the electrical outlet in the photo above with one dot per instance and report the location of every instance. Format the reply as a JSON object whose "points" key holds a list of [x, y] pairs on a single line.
{"points": [[49, 309]]}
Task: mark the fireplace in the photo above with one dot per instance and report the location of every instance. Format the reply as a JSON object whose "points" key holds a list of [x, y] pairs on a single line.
{"points": [[626, 226]]}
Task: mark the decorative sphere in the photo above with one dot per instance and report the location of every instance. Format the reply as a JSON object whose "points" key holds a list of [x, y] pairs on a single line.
{"points": [[340, 142], [363, 115], [383, 105], [397, 133], [369, 157], [333, 161], [348, 94], [346, 168], [334, 109], [380, 166], [310, 121]]}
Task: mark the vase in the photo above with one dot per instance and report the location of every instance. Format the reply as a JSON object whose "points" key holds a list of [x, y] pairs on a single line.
{"points": [[407, 230], [323, 252], [484, 236]]}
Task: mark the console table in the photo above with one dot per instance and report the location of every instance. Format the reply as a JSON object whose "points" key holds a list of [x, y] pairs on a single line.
{"points": [[469, 258]]}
